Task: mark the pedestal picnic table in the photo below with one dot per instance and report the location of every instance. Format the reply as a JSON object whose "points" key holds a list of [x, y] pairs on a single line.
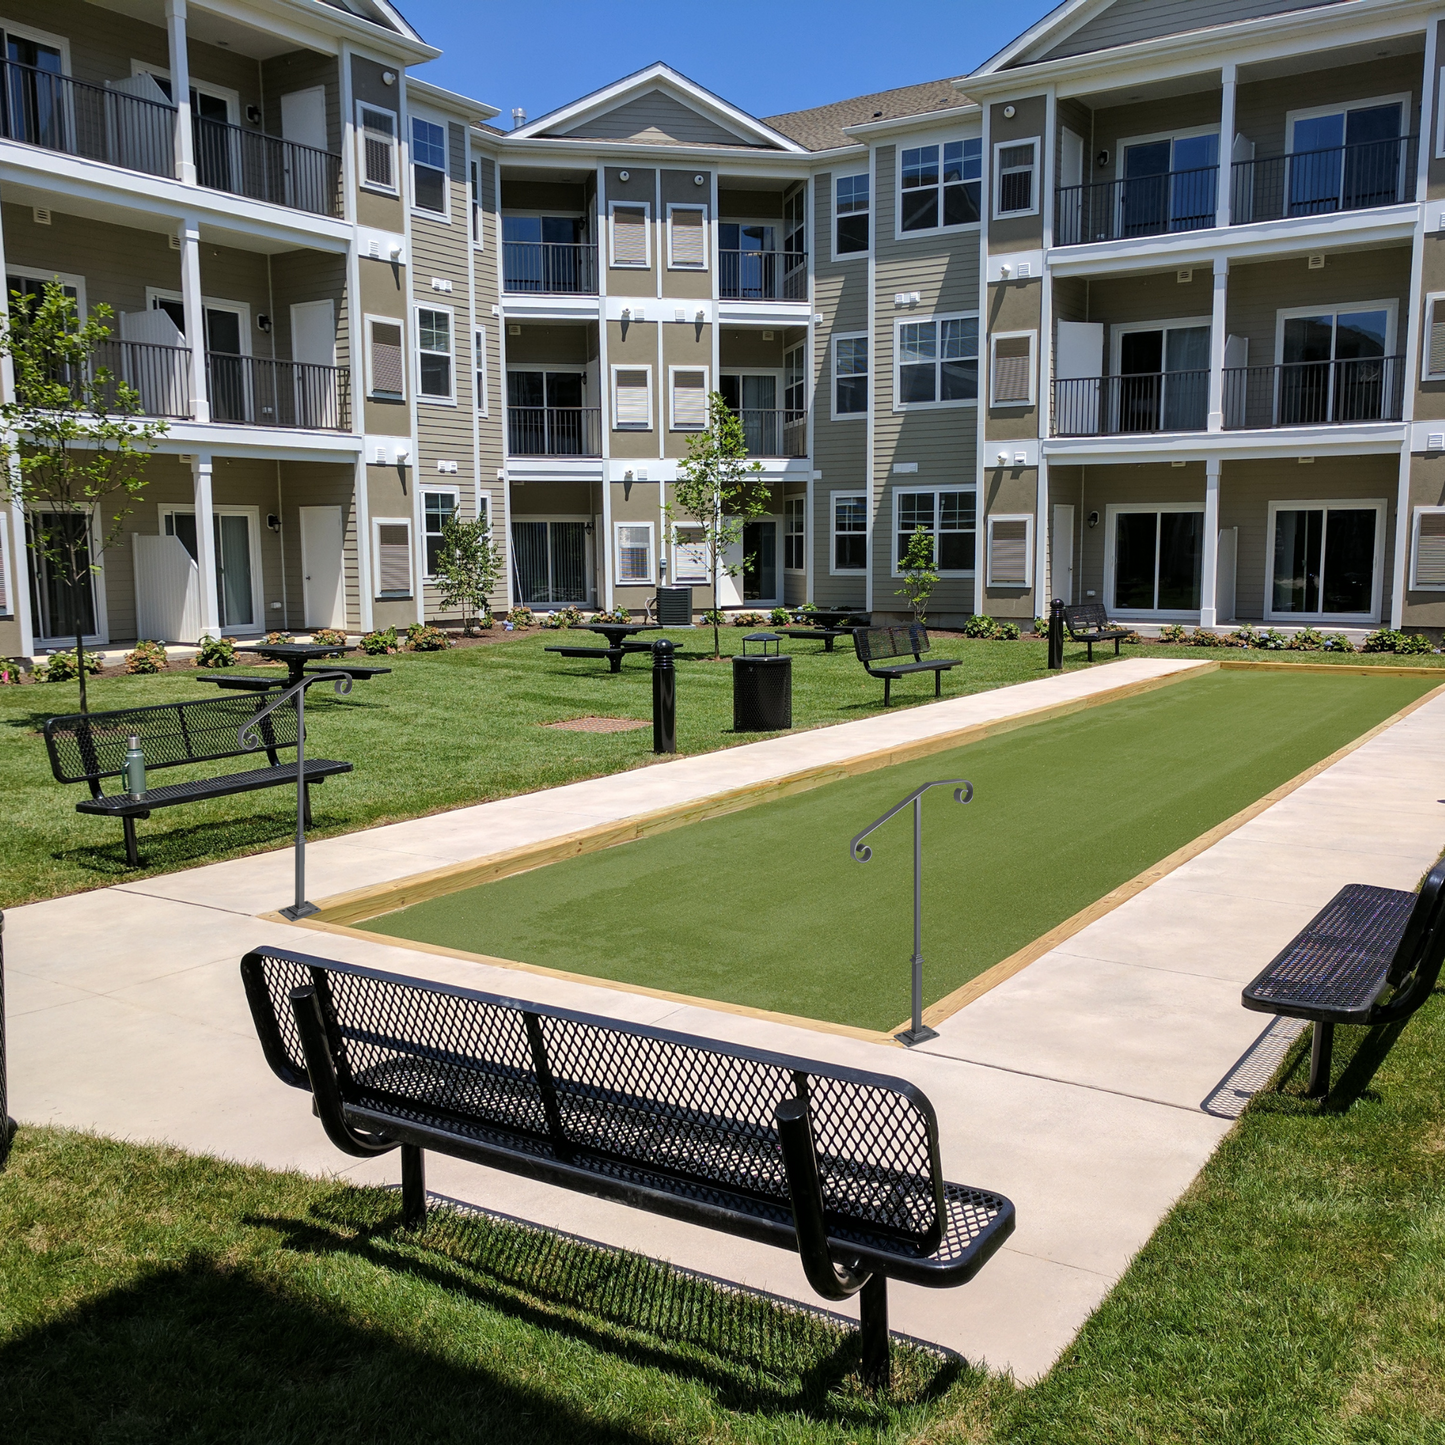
{"points": [[616, 635], [828, 624], [296, 655]]}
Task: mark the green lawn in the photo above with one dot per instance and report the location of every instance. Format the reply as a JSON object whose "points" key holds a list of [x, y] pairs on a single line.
{"points": [[1293, 1297], [765, 907], [444, 730]]}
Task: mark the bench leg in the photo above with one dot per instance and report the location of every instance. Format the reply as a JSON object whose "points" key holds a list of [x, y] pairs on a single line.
{"points": [[877, 1367], [938, 684], [413, 1187], [306, 804], [1090, 646], [132, 854], [887, 689], [1321, 1048], [1117, 641]]}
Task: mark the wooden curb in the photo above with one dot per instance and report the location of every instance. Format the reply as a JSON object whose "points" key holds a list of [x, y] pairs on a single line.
{"points": [[1355, 669]]}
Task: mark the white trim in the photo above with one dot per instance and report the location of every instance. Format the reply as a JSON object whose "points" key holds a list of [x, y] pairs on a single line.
{"points": [[672, 422], [900, 490], [443, 216], [60, 43], [1431, 299], [651, 406], [369, 320], [1032, 337], [651, 579], [361, 178], [427, 398], [672, 263], [869, 215], [939, 139], [9, 606], [936, 318], [1405, 100], [1336, 309], [1381, 508], [850, 494], [441, 489], [208, 303], [412, 591], [481, 378], [259, 621], [1440, 112], [1415, 584], [35, 273], [998, 148], [1189, 132], [1008, 584], [802, 504], [101, 635], [1120, 329], [646, 208], [201, 87], [1115, 509]]}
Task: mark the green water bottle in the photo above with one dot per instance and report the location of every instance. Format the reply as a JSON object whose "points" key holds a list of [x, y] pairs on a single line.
{"points": [[135, 768]]}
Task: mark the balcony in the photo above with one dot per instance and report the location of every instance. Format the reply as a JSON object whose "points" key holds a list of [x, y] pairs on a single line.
{"points": [[774, 433], [246, 162], [1174, 201], [160, 376], [256, 391], [1323, 182], [554, 431], [1166, 401], [1315, 393], [549, 267], [763, 275]]}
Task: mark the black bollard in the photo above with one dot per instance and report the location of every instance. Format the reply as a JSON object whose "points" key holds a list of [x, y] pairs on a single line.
{"points": [[664, 697], [1056, 636], [7, 1125]]}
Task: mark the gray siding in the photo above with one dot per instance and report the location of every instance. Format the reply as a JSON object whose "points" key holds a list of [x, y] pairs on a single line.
{"points": [[656, 119]]}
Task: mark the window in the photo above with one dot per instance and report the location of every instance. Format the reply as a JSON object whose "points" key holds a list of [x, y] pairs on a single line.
{"points": [[1427, 551], [1337, 365], [1172, 183], [850, 215], [632, 398], [936, 362], [631, 235], [1433, 367], [428, 166], [7, 607], [391, 551], [1163, 376], [689, 398], [1154, 558], [949, 516], [1014, 164], [795, 534], [1347, 157], [850, 376], [1010, 551], [478, 234], [1012, 381], [386, 361], [376, 135], [850, 532], [436, 507], [930, 195], [634, 553], [689, 556], [434, 354], [479, 361], [687, 238], [1325, 561]]}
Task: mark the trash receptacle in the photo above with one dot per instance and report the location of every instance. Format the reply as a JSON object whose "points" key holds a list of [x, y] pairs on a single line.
{"points": [[762, 686], [674, 606]]}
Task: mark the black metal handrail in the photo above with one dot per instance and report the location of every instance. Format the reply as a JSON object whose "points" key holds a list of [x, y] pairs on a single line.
{"points": [[774, 432], [568, 267], [1322, 182], [554, 431], [96, 122], [1129, 405], [1314, 393], [1173, 201], [262, 167], [763, 275], [159, 375], [257, 391]]}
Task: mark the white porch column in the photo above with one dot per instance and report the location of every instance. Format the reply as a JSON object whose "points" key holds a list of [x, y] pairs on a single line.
{"points": [[201, 468], [1218, 322], [190, 233], [1042, 595], [1209, 578], [365, 586], [1228, 74], [1400, 571], [181, 90], [18, 580]]}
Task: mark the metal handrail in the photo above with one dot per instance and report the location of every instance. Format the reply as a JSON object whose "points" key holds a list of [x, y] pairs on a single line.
{"points": [[557, 267], [246, 162], [747, 275], [554, 431], [265, 391], [1323, 182], [1137, 402], [1314, 393], [774, 431], [1171, 201]]}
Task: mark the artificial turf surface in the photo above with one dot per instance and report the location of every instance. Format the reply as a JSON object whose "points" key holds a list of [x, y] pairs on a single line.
{"points": [[765, 908]]}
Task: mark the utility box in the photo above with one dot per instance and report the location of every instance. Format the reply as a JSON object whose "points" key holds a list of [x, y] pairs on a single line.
{"points": [[674, 606]]}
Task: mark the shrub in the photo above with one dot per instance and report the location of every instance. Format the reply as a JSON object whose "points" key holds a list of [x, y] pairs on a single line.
{"points": [[375, 644], [521, 617], [1307, 639], [1041, 626], [278, 639], [1272, 640], [714, 617], [1007, 631], [1338, 642], [1245, 636], [217, 652], [1130, 637], [60, 667], [618, 614], [980, 625], [1383, 639], [748, 619], [564, 618], [421, 638], [1200, 638], [329, 637], [147, 657], [1173, 632], [1416, 642], [780, 617]]}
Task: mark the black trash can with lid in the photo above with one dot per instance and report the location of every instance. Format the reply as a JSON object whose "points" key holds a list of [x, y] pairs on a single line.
{"points": [[762, 686]]}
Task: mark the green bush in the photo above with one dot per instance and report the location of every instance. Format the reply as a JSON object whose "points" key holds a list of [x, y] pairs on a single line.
{"points": [[1415, 643], [1041, 626], [1007, 632], [748, 619], [714, 616], [1244, 636], [147, 657], [1200, 637], [980, 625], [564, 618], [375, 644], [60, 667], [1307, 639], [1338, 642], [1173, 632], [217, 652], [618, 614], [1385, 639], [427, 639], [780, 617], [329, 637], [521, 617], [278, 639]]}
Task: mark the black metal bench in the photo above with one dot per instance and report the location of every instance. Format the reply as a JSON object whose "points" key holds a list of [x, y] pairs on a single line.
{"points": [[1089, 623], [840, 1165], [1369, 956], [875, 643], [90, 747]]}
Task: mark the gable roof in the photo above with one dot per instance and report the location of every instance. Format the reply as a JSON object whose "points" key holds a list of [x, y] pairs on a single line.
{"points": [[824, 127]]}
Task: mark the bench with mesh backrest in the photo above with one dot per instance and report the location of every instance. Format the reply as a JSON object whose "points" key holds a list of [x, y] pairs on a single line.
{"points": [[839, 1165], [1369, 956], [1089, 623], [874, 644], [90, 747]]}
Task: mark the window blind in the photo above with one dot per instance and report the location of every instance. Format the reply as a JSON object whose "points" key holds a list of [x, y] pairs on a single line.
{"points": [[388, 364], [634, 554], [4, 580], [393, 558], [378, 134], [1430, 550], [1012, 376], [687, 236], [1437, 339], [629, 235], [689, 400], [631, 402], [1008, 552]]}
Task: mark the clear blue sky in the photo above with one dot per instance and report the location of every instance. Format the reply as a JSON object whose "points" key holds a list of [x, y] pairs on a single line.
{"points": [[786, 55]]}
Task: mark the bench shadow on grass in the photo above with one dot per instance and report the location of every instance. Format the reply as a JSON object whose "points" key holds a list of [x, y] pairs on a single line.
{"points": [[1362, 1052]]}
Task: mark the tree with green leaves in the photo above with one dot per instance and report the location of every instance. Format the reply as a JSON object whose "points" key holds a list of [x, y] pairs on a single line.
{"points": [[717, 491], [73, 443], [468, 564], [920, 576]]}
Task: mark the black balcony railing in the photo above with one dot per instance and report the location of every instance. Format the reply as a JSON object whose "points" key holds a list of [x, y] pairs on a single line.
{"points": [[93, 121], [549, 266], [1315, 183], [256, 391], [554, 431], [1314, 393], [1139, 206], [774, 433], [763, 275], [160, 376], [1127, 405], [262, 167]]}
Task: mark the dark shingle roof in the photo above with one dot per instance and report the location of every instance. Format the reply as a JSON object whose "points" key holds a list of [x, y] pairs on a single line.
{"points": [[821, 128]]}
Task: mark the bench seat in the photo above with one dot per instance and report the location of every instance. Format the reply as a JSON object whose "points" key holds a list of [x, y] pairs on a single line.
{"points": [[875, 645], [122, 805], [1089, 623]]}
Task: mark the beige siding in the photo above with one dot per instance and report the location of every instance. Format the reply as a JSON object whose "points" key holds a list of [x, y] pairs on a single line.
{"points": [[639, 349], [383, 294], [303, 70], [1427, 489], [683, 344], [639, 188], [316, 484], [1013, 306], [1187, 111], [1012, 491], [1029, 120]]}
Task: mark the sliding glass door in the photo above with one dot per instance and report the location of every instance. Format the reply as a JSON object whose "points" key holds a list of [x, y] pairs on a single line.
{"points": [[1325, 561], [1155, 559]]}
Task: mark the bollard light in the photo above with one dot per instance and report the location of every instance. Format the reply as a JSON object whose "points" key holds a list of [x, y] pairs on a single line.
{"points": [[664, 696], [1056, 636]]}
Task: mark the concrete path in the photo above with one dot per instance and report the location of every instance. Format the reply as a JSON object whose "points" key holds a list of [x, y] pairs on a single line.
{"points": [[1076, 1087]]}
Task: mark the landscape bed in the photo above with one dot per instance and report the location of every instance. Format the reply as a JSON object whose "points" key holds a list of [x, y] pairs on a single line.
{"points": [[765, 909]]}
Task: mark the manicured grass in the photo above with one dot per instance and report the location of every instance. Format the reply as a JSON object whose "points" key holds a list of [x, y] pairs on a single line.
{"points": [[765, 908], [1291, 1297]]}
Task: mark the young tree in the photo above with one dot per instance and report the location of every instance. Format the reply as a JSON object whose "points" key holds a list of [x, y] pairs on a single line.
{"points": [[718, 491], [468, 564], [919, 573], [73, 445]]}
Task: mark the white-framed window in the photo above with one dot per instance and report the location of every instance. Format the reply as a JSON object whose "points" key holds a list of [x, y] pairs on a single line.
{"points": [[479, 363], [29, 281], [429, 166], [7, 602], [851, 210], [1173, 181], [795, 534], [850, 532], [474, 187], [687, 397], [1350, 155], [1015, 178], [1154, 559], [435, 347], [850, 375], [38, 49], [1432, 353], [689, 556], [1011, 368], [391, 556], [935, 362], [632, 398], [437, 505], [949, 515], [938, 185], [385, 359], [629, 231], [687, 238], [1325, 561], [633, 543], [1427, 550], [376, 147], [1010, 550], [1337, 363]]}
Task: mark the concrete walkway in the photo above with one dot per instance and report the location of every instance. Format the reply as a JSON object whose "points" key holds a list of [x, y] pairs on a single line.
{"points": [[1075, 1087]]}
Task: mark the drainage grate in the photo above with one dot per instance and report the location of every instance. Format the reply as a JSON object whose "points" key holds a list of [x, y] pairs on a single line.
{"points": [[1254, 1069], [597, 725]]}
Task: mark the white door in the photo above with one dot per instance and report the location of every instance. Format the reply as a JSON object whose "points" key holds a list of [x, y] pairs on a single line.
{"points": [[322, 589], [1061, 554], [308, 172], [1078, 369], [303, 117], [313, 333]]}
